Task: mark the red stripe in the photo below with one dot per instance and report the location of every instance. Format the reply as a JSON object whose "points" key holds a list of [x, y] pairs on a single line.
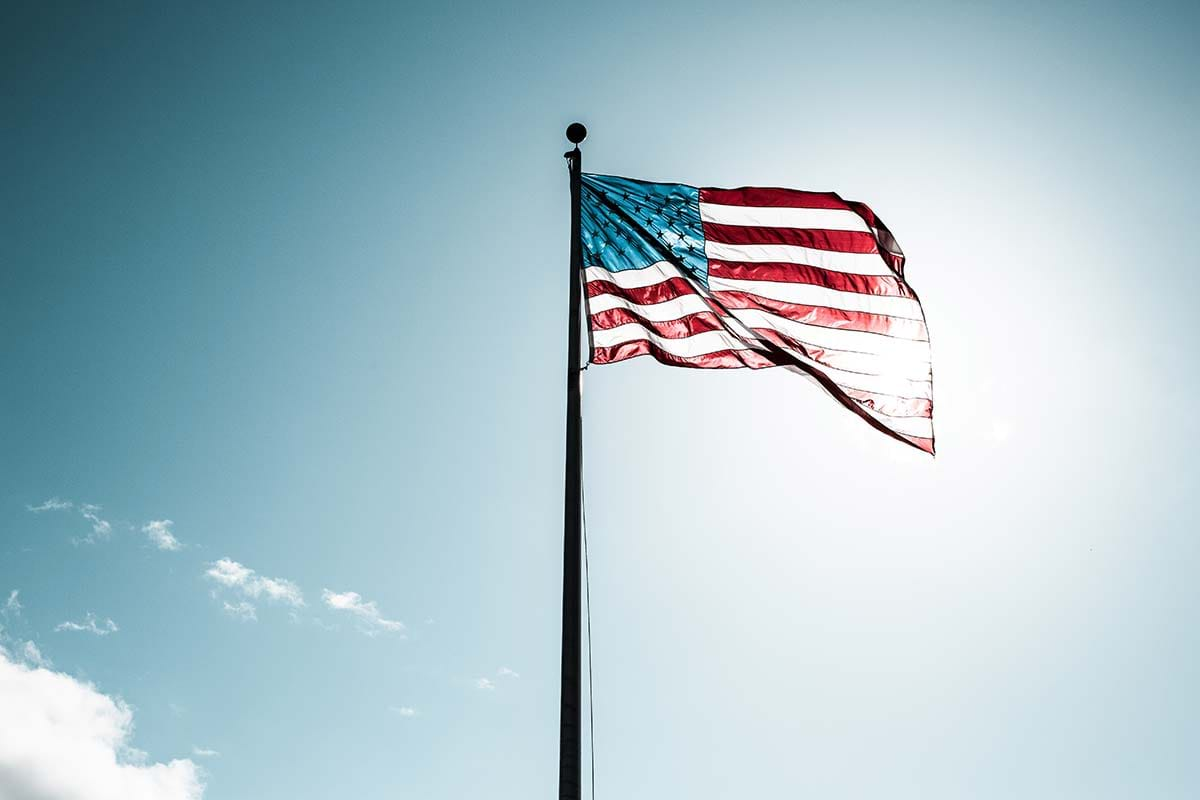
{"points": [[722, 359], [888, 245], [919, 442], [836, 241], [828, 317], [775, 198], [644, 295], [783, 272], [681, 328]]}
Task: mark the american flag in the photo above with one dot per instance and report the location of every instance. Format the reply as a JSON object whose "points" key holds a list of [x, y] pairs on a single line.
{"points": [[757, 277]]}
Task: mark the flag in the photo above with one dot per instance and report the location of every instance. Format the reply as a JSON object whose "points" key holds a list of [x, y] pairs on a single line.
{"points": [[758, 277]]}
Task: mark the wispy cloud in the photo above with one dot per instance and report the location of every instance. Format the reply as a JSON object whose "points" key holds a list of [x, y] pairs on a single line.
{"points": [[12, 606], [240, 578], [404, 711], [371, 621], [33, 655], [484, 683], [101, 529], [204, 752], [53, 504], [158, 531], [243, 610], [89, 625], [505, 672]]}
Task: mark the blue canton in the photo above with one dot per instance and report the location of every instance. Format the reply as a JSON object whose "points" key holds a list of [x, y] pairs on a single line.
{"points": [[629, 224]]}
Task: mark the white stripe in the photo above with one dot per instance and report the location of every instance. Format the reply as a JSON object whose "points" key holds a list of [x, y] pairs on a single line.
{"points": [[875, 384], [867, 364], [827, 219], [665, 311], [635, 278], [807, 294], [837, 338], [850, 350], [850, 263], [912, 426], [699, 344]]}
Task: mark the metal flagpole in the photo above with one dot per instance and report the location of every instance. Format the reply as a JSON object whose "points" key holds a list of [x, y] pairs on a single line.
{"points": [[570, 779]]}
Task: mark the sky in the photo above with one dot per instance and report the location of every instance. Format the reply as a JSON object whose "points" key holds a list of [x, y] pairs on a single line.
{"points": [[282, 311]]}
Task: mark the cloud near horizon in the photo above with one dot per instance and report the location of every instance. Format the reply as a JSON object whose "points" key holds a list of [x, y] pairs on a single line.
{"points": [[53, 721]]}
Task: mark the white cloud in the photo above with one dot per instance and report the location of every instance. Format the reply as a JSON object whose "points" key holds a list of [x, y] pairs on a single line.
{"points": [[204, 752], [88, 626], [371, 621], [12, 606], [64, 740], [159, 533], [33, 655], [404, 711], [101, 529], [484, 683], [233, 575], [228, 572], [505, 672], [53, 504], [243, 611]]}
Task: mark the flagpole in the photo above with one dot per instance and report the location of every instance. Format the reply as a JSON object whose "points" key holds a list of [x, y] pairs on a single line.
{"points": [[570, 778]]}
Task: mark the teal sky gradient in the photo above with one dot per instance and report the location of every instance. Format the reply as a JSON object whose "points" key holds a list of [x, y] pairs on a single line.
{"points": [[295, 279]]}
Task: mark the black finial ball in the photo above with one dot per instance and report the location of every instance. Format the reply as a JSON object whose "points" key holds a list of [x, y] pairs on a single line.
{"points": [[576, 133]]}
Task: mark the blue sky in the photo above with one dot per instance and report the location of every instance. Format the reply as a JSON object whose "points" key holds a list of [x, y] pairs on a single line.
{"points": [[295, 282]]}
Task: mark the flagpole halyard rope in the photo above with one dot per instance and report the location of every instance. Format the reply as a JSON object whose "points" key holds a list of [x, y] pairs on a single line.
{"points": [[587, 587]]}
